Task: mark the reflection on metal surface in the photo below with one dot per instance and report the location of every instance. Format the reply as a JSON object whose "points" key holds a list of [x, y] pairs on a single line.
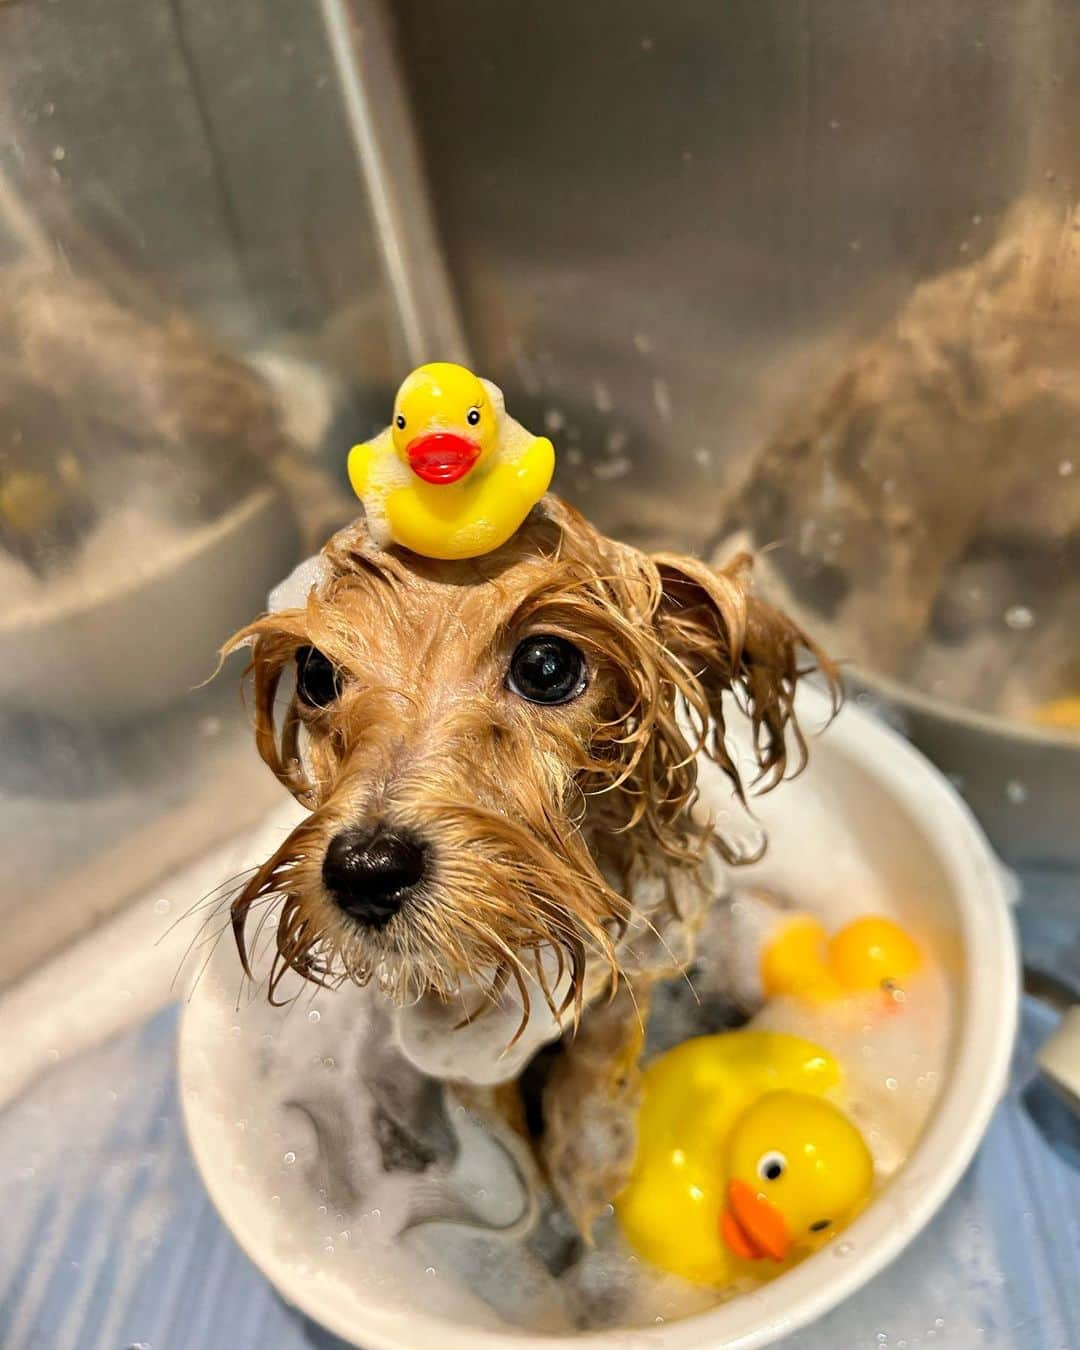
{"points": [[675, 231], [191, 320], [380, 122], [669, 223]]}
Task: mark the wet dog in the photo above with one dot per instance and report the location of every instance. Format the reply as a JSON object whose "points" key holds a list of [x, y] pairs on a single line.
{"points": [[500, 757]]}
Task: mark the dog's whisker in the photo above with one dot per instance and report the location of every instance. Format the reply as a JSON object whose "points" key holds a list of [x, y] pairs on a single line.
{"points": [[222, 930], [214, 898]]}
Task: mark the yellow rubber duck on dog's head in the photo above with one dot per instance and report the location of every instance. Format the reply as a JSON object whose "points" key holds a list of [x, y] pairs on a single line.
{"points": [[453, 475]]}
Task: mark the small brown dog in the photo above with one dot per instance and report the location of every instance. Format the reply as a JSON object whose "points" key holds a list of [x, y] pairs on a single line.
{"points": [[494, 747], [496, 753]]}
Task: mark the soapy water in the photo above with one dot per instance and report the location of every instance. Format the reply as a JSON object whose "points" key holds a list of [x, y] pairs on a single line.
{"points": [[377, 1182]]}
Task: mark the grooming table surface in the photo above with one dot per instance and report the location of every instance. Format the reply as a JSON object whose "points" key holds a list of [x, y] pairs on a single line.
{"points": [[109, 1242]]}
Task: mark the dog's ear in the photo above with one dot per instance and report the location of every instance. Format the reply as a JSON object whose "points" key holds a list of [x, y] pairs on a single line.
{"points": [[273, 640], [727, 641]]}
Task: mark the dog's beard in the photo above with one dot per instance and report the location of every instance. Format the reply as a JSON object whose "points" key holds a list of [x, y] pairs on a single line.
{"points": [[509, 903]]}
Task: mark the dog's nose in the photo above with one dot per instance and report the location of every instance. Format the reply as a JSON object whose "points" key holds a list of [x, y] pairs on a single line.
{"points": [[370, 872]]}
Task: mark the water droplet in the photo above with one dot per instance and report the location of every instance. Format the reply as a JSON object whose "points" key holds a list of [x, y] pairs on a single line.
{"points": [[608, 469], [616, 440], [976, 219], [554, 420], [314, 1015], [602, 397], [1065, 468], [329, 1062], [702, 456], [162, 906], [662, 400], [843, 1249], [659, 1319], [643, 343], [430, 1270], [939, 1322], [646, 44], [289, 1157], [323, 1209], [891, 1084], [834, 125], [1020, 618], [59, 153], [855, 245], [1016, 792], [376, 1213], [241, 1125]]}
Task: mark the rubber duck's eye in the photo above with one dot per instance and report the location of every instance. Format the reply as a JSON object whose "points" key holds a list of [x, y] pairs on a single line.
{"points": [[820, 1225], [399, 422], [318, 680], [547, 669], [771, 1166], [472, 416]]}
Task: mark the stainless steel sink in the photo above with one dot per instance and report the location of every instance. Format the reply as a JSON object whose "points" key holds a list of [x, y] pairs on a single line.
{"points": [[660, 228]]}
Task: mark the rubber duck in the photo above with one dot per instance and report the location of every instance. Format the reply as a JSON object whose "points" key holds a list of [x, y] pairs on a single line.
{"points": [[740, 1156], [1060, 714], [869, 954], [453, 475]]}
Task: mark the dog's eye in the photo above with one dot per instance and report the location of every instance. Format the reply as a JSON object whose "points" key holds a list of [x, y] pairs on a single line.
{"points": [[547, 669], [318, 680]]}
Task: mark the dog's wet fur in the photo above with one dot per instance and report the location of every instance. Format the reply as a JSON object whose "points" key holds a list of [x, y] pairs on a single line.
{"points": [[513, 826]]}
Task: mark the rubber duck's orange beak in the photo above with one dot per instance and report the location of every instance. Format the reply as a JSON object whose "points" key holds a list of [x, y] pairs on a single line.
{"points": [[442, 457], [752, 1227]]}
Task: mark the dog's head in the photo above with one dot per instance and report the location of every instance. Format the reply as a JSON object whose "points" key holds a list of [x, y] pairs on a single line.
{"points": [[490, 748]]}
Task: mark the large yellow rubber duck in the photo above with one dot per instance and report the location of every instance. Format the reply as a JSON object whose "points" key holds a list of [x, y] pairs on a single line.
{"points": [[869, 954], [740, 1157], [454, 475]]}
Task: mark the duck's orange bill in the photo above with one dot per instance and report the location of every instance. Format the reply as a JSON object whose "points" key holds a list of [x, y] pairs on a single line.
{"points": [[442, 457], [752, 1227]]}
